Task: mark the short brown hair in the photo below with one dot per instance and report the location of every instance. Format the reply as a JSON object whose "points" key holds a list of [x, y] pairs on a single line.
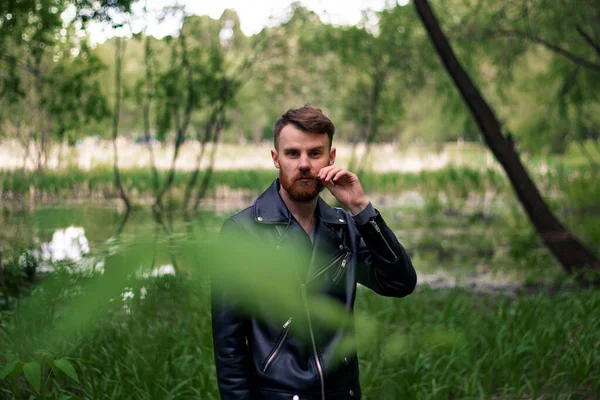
{"points": [[307, 119]]}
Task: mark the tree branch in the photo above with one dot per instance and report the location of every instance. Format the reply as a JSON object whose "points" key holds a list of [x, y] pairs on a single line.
{"points": [[16, 62], [589, 39], [550, 46]]}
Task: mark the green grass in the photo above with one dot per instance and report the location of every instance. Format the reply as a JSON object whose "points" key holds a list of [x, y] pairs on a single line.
{"points": [[457, 344], [434, 344], [457, 182]]}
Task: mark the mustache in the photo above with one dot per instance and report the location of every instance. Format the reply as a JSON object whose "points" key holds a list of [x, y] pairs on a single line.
{"points": [[305, 176]]}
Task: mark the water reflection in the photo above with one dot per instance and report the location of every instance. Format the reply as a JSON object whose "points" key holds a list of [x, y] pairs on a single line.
{"points": [[163, 270], [69, 243]]}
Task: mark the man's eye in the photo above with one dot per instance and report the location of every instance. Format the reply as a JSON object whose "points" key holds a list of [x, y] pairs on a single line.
{"points": [[292, 154], [315, 153]]}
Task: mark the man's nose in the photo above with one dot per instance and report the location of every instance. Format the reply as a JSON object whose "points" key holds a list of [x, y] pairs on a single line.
{"points": [[304, 164]]}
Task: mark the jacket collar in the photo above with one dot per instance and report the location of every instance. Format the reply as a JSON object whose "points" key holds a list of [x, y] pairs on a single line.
{"points": [[269, 208]]}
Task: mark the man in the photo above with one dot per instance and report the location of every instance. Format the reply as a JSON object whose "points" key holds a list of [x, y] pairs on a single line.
{"points": [[261, 360]]}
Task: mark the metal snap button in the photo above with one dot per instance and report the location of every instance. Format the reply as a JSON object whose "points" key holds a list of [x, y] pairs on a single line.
{"points": [[296, 397], [346, 361], [260, 219], [341, 220], [351, 392], [341, 247]]}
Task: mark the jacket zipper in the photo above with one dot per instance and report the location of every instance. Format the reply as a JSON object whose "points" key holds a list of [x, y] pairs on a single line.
{"points": [[340, 272], [314, 344], [383, 237], [278, 346], [326, 267]]}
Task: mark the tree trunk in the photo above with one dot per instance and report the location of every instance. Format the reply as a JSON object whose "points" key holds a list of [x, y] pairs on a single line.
{"points": [[146, 112], [61, 145], [569, 251], [42, 119], [209, 171], [115, 123], [558, 145], [3, 285], [209, 130], [373, 118], [212, 131], [180, 126], [353, 156]]}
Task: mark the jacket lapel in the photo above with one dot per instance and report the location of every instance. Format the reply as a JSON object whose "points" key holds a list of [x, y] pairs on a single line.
{"points": [[269, 209], [329, 240]]}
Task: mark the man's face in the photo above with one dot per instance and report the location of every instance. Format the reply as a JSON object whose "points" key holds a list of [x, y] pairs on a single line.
{"points": [[299, 157]]}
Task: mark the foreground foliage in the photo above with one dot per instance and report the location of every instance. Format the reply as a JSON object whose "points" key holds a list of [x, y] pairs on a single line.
{"points": [[451, 343]]}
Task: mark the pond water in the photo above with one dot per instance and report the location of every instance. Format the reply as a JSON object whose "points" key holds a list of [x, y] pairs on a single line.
{"points": [[447, 249], [73, 232]]}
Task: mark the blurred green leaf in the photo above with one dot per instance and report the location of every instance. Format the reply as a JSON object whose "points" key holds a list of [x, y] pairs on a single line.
{"points": [[33, 374], [8, 368], [65, 366], [80, 360]]}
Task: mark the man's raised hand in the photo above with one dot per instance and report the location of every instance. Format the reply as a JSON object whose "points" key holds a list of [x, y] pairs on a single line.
{"points": [[345, 187]]}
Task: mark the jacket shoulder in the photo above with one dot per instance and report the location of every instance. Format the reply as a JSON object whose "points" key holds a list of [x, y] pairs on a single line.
{"points": [[244, 216], [242, 219], [342, 212]]}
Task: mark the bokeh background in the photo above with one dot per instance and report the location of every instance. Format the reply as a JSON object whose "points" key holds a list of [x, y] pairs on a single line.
{"points": [[129, 130]]}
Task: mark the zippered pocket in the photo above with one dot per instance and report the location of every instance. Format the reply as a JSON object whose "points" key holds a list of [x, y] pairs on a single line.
{"points": [[278, 346], [378, 230], [336, 259], [342, 268]]}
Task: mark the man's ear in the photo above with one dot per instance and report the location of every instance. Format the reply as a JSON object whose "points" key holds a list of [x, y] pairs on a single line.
{"points": [[275, 158], [332, 153]]}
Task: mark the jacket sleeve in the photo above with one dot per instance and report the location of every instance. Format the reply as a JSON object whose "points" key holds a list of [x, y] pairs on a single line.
{"points": [[383, 264], [229, 328]]}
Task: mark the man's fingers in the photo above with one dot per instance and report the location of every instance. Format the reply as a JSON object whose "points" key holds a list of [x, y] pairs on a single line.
{"points": [[331, 174], [340, 174], [325, 170], [327, 177]]}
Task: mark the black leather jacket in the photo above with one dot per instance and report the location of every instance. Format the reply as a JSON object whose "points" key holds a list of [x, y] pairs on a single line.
{"points": [[259, 360]]}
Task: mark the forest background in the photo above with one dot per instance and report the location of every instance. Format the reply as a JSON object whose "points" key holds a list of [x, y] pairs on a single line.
{"points": [[474, 126]]}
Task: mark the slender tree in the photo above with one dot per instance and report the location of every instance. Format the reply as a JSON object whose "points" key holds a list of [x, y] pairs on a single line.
{"points": [[147, 106], [210, 132], [568, 250], [178, 108], [119, 52]]}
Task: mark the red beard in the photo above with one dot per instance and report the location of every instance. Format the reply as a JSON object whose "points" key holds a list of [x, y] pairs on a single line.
{"points": [[301, 191]]}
